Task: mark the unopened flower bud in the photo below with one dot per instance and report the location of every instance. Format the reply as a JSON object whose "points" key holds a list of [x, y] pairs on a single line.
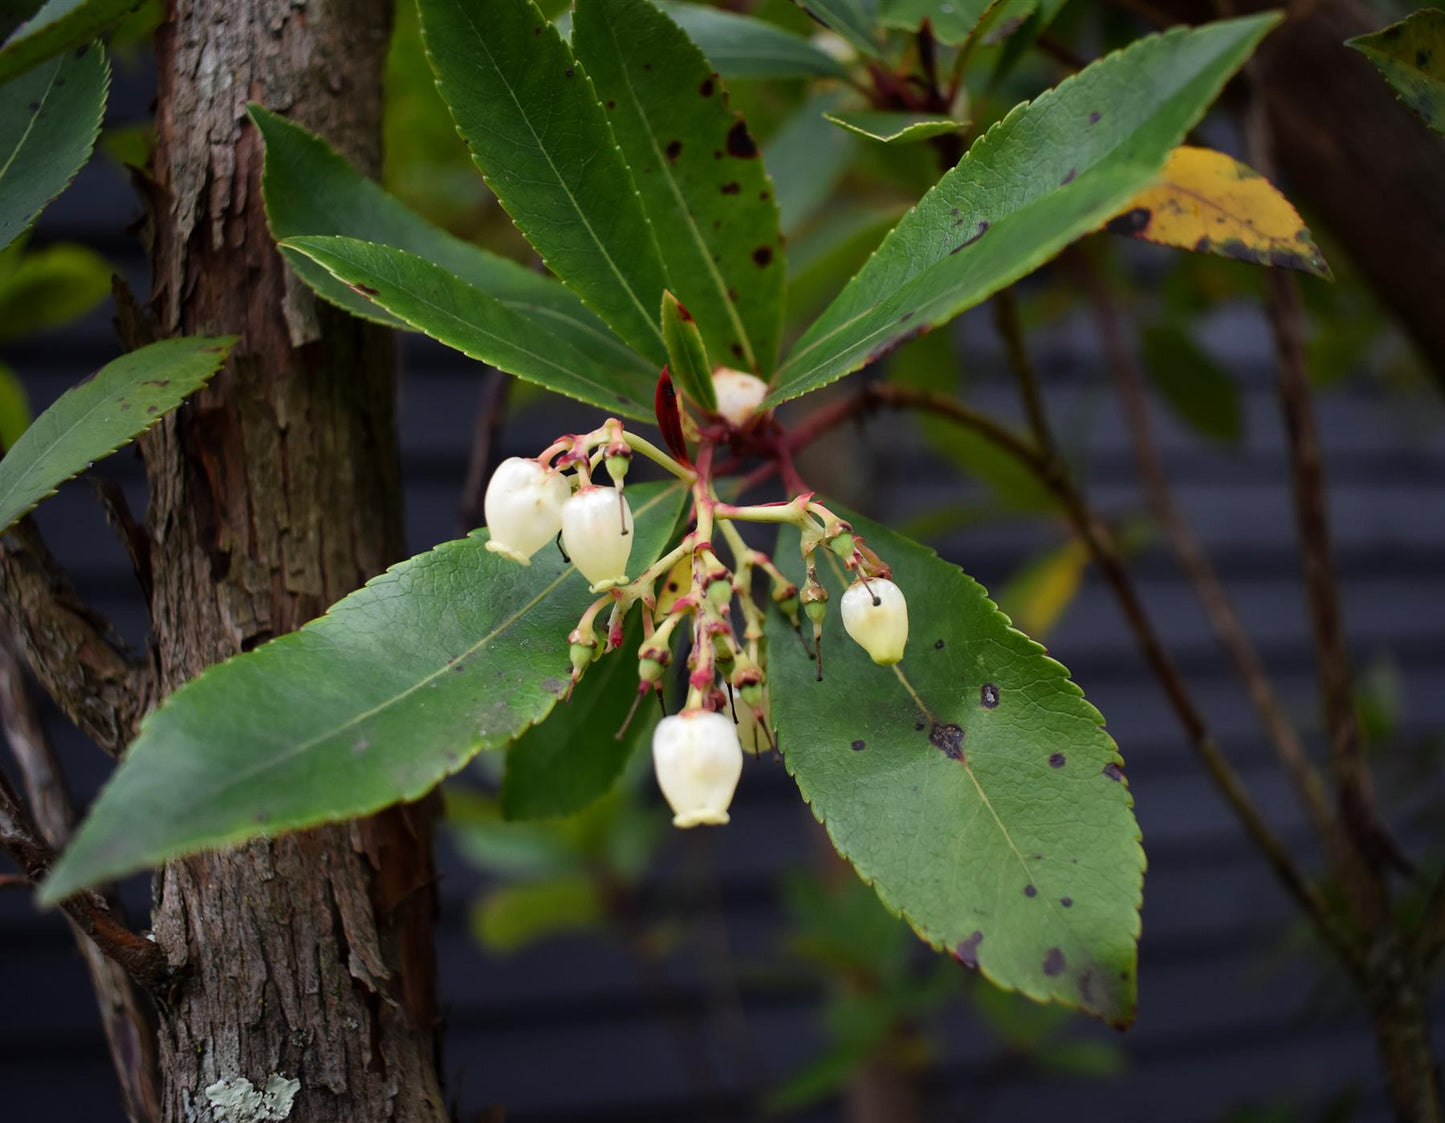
{"points": [[581, 656], [875, 614], [738, 394], [786, 598], [617, 461], [754, 725], [523, 508], [597, 533], [698, 761], [843, 544], [815, 601]]}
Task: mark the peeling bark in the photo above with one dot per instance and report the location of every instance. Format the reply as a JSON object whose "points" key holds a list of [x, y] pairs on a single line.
{"points": [[275, 491]]}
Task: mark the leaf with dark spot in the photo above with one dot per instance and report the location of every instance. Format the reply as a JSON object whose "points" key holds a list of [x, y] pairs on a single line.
{"points": [[1056, 760], [1408, 54], [967, 951], [1053, 962], [951, 797], [988, 696]]}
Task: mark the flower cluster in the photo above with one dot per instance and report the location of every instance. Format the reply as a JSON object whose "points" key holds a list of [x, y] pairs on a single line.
{"points": [[697, 753]]}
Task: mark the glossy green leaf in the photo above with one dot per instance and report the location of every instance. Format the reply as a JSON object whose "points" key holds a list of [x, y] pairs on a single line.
{"points": [[49, 119], [1049, 172], [534, 124], [15, 413], [1411, 56], [854, 20], [310, 189], [743, 47], [697, 170], [805, 158], [997, 821], [59, 25], [512, 917], [451, 311], [952, 20], [50, 286], [1199, 393], [397, 686], [889, 127], [111, 408], [574, 758], [686, 353]]}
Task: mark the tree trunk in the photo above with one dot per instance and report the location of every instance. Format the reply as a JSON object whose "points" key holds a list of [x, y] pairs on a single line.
{"points": [[308, 991]]}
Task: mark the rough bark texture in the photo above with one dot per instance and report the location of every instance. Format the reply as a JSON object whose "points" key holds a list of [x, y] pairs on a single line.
{"points": [[308, 991]]}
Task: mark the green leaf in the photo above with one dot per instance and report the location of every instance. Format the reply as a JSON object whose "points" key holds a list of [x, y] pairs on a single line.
{"points": [[696, 167], [686, 355], [451, 311], [512, 917], [310, 189], [743, 47], [895, 128], [1198, 392], [59, 25], [952, 20], [805, 158], [531, 118], [14, 408], [998, 823], [397, 686], [1046, 174], [1411, 56], [49, 120], [854, 20], [574, 758], [51, 286], [90, 421]]}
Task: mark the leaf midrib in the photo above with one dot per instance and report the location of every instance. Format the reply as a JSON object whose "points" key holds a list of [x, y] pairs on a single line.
{"points": [[236, 779], [34, 117], [562, 183], [699, 242]]}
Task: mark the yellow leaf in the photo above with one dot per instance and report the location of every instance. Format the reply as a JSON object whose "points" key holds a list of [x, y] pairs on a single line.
{"points": [[1211, 203], [1038, 595]]}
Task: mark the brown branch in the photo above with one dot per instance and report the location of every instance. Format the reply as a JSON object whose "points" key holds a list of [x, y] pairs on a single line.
{"points": [[74, 652], [127, 1013], [89, 911], [1367, 887], [1195, 563]]}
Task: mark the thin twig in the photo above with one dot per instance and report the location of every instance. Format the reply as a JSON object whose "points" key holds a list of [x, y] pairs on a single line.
{"points": [[1105, 555], [127, 1013], [486, 440], [1308, 782], [20, 838], [1368, 889], [73, 651]]}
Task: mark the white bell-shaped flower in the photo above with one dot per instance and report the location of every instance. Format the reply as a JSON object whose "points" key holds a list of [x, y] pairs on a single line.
{"points": [[880, 628], [698, 761], [523, 508], [738, 394], [597, 535]]}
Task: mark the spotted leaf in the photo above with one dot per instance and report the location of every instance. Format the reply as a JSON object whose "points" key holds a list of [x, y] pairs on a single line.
{"points": [[981, 797], [1411, 56]]}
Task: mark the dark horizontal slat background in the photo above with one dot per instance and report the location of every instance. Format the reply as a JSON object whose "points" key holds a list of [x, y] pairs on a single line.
{"points": [[566, 1031]]}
